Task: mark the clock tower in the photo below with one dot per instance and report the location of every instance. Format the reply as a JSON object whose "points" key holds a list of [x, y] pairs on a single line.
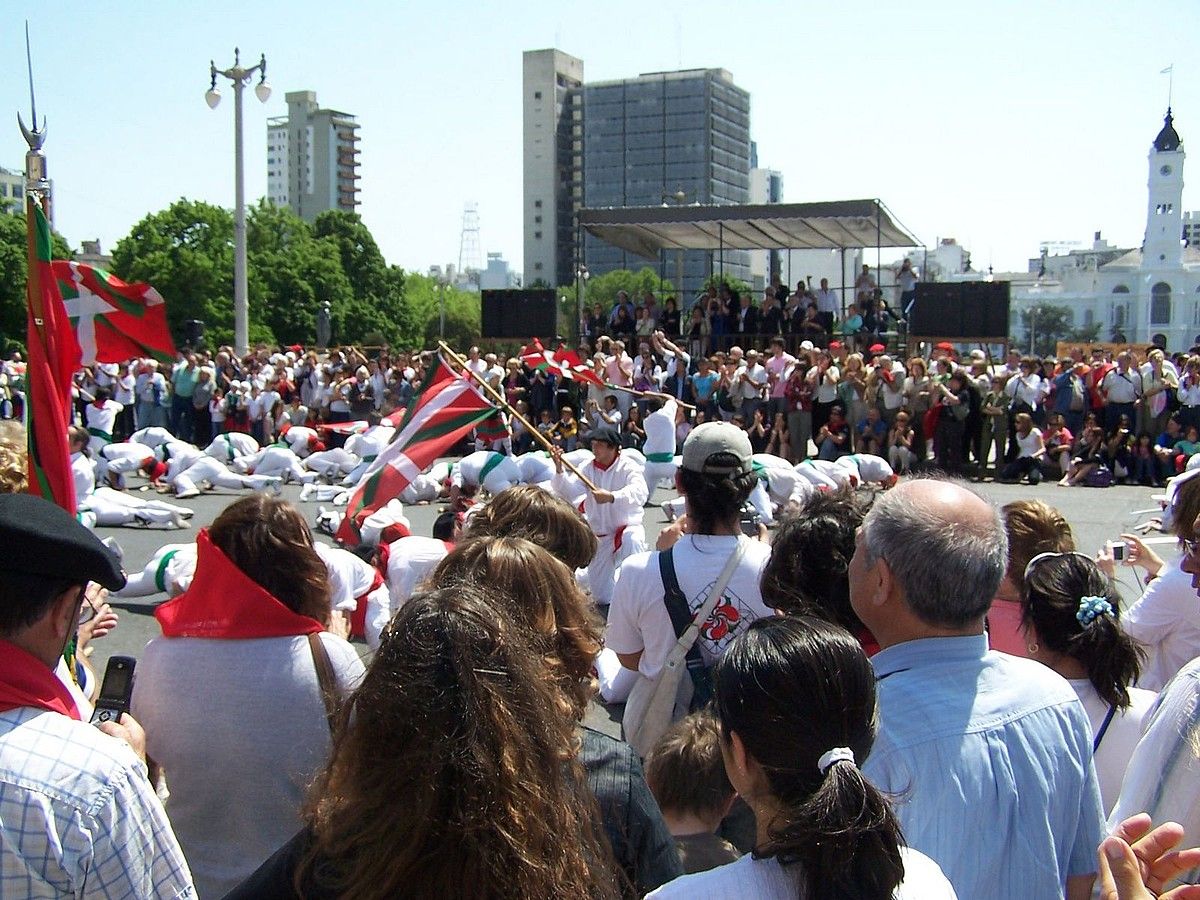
{"points": [[1164, 215]]}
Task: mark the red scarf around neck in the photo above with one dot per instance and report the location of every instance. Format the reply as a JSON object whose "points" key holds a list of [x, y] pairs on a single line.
{"points": [[224, 602], [26, 681]]}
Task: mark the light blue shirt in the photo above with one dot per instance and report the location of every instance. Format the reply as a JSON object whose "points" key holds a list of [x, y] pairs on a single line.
{"points": [[989, 758]]}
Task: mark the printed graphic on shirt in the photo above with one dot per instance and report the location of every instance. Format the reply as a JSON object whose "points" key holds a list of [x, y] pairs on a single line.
{"points": [[723, 623]]}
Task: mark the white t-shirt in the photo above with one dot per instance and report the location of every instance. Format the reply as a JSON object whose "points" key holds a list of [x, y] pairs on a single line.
{"points": [[638, 618], [1165, 620], [1121, 736], [1030, 444], [766, 879]]}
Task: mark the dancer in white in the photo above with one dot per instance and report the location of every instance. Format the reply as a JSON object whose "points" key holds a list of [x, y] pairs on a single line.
{"points": [[332, 463], [151, 436], [613, 510], [868, 469], [659, 448], [207, 470], [494, 472], [428, 486], [231, 445], [274, 460], [301, 440], [366, 447], [410, 560], [100, 416], [169, 571], [354, 585], [104, 506]]}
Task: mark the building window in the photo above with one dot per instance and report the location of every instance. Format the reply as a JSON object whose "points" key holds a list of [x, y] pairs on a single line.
{"points": [[537, 95], [1118, 315], [1160, 304], [537, 204], [1120, 289], [537, 267], [537, 220], [1089, 318], [537, 235]]}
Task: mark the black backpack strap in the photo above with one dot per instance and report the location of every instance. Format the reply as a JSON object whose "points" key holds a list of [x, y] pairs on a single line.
{"points": [[681, 617]]}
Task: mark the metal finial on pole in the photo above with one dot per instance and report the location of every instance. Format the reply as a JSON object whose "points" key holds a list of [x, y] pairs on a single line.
{"points": [[33, 136], [1169, 71], [36, 180]]}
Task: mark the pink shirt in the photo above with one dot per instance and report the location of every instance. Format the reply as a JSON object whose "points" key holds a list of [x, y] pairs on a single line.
{"points": [[777, 368]]}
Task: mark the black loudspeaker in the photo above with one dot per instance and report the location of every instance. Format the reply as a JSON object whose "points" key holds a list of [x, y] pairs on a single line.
{"points": [[193, 331], [519, 314], [964, 310]]}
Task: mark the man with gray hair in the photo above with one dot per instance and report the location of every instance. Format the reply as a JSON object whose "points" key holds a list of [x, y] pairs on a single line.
{"points": [[990, 754]]}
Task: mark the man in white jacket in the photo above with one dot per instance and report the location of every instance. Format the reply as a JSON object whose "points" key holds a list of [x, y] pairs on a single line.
{"points": [[613, 510]]}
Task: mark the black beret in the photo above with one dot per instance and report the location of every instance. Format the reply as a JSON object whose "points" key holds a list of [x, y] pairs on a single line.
{"points": [[39, 538], [606, 433]]}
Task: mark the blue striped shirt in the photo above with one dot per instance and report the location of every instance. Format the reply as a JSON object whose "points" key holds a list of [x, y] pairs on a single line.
{"points": [[990, 760]]}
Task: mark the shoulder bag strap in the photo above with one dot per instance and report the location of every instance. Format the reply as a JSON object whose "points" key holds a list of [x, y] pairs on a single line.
{"points": [[685, 647], [1103, 728], [324, 678]]}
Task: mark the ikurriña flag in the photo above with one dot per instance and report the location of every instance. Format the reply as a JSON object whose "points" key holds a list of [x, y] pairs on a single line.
{"points": [[114, 321], [53, 361], [446, 408]]}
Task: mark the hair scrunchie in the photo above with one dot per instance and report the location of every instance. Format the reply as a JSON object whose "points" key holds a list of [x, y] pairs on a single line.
{"points": [[836, 755], [1090, 608]]}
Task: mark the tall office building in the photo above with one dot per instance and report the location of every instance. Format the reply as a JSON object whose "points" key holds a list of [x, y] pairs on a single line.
{"points": [[312, 158], [553, 163], [665, 137]]}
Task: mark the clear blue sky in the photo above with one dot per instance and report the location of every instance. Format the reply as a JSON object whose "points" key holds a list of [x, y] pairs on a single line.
{"points": [[1001, 124]]}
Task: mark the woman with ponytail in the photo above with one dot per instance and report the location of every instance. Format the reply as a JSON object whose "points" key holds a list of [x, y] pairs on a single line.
{"points": [[1070, 614], [796, 702]]}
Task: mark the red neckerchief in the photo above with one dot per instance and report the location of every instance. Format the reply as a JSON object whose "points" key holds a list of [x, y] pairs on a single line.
{"points": [[26, 681], [607, 467], [224, 602]]}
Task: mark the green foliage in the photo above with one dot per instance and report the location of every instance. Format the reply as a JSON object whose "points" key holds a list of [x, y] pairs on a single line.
{"points": [[14, 268], [1049, 323], [462, 312], [736, 285], [603, 289], [186, 252]]}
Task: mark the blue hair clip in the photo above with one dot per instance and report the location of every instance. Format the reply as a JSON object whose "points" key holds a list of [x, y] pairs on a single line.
{"points": [[1090, 608]]}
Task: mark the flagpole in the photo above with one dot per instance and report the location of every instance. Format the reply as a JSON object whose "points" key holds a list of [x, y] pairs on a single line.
{"points": [[499, 399], [636, 393]]}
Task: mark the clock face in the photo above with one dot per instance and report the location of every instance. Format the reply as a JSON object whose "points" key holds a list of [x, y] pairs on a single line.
{"points": [[1165, 170]]}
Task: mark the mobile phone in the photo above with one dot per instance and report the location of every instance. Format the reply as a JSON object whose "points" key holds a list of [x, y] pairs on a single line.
{"points": [[115, 691], [1118, 551]]}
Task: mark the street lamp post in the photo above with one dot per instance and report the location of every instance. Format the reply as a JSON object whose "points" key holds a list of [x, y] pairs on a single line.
{"points": [[1033, 313], [581, 277], [678, 198], [240, 77]]}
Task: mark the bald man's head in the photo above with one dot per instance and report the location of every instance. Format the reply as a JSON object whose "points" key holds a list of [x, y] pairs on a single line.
{"points": [[945, 546]]}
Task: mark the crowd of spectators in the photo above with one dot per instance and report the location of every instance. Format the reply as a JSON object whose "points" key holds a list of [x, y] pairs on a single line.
{"points": [[1132, 417]]}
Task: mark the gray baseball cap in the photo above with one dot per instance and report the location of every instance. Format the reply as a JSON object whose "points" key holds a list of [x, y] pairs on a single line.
{"points": [[717, 448]]}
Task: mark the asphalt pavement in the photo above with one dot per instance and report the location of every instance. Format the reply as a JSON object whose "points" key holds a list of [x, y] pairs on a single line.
{"points": [[1096, 515]]}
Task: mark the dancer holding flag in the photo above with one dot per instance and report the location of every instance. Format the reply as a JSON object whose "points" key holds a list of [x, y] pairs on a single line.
{"points": [[612, 506]]}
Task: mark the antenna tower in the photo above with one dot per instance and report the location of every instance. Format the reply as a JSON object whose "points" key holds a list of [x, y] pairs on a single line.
{"points": [[469, 254]]}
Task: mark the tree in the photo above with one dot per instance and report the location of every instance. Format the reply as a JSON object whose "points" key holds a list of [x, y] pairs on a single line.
{"points": [[13, 264], [463, 323], [1049, 323], [379, 303], [186, 252], [603, 289]]}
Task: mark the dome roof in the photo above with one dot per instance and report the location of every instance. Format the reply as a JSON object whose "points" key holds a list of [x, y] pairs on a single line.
{"points": [[1168, 138]]}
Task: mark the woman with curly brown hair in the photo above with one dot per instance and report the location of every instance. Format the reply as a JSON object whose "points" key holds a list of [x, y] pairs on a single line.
{"points": [[531, 588], [452, 773], [233, 698]]}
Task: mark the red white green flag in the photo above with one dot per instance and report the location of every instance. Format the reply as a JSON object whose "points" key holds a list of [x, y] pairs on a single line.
{"points": [[114, 321], [446, 408], [53, 361], [561, 362]]}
